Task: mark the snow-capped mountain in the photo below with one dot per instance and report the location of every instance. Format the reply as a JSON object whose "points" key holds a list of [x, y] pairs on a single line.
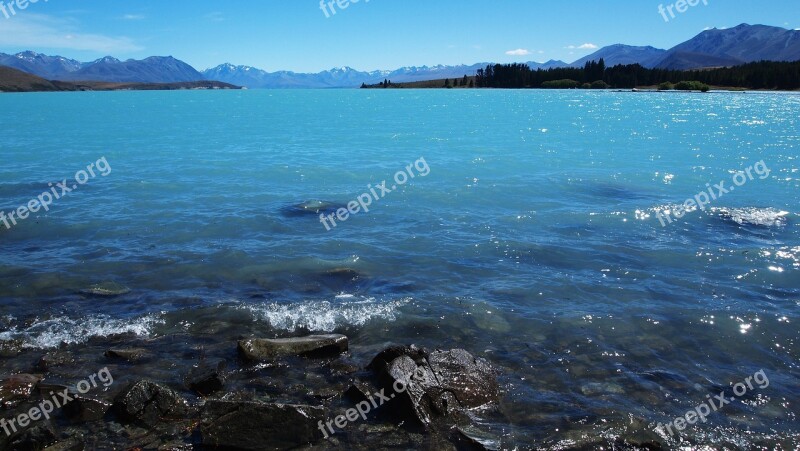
{"points": [[340, 77], [48, 67]]}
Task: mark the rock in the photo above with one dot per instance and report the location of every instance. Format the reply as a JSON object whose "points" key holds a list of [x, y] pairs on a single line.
{"points": [[129, 354], [259, 426], [70, 444], [312, 208], [148, 404], [314, 346], [441, 386], [84, 409], [17, 388], [343, 366], [467, 438], [11, 348], [106, 289], [206, 379], [54, 359], [34, 438]]}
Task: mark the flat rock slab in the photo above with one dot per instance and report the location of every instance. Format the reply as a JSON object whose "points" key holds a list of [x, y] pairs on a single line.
{"points": [[314, 346], [253, 425]]}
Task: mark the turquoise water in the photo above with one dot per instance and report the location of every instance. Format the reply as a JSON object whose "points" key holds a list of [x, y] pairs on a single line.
{"points": [[533, 240]]}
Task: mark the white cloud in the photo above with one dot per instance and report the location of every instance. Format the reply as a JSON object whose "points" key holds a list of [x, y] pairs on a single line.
{"points": [[587, 46], [518, 52], [133, 16], [36, 31]]}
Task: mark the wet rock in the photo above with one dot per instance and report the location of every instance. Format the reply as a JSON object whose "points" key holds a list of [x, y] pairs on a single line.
{"points": [[206, 379], [54, 359], [435, 388], [360, 391], [11, 348], [70, 444], [314, 346], [17, 388], [147, 403], [34, 438], [129, 354], [470, 439], [106, 289], [344, 366], [258, 426], [86, 409]]}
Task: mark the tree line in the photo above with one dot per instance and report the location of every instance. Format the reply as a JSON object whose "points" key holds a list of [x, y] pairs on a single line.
{"points": [[759, 75]]}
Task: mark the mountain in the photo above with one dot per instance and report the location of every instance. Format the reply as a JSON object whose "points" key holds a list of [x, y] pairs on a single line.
{"points": [[731, 46], [547, 65], [49, 67], [342, 77], [624, 54], [156, 69]]}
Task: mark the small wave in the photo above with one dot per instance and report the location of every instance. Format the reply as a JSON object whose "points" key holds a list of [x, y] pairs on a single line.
{"points": [[763, 217], [325, 316], [54, 332]]}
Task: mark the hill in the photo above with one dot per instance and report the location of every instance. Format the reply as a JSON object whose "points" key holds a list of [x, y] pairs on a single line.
{"points": [[13, 80]]}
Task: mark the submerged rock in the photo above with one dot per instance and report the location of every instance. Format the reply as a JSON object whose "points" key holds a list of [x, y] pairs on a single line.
{"points": [[314, 346], [149, 404], [129, 354], [312, 207], [259, 426], [106, 289], [440, 386]]}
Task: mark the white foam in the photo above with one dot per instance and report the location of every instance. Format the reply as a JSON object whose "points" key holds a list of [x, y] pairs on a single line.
{"points": [[765, 217], [53, 332], [325, 316]]}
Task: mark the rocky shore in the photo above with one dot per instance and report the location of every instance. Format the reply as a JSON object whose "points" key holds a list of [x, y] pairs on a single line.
{"points": [[440, 408]]}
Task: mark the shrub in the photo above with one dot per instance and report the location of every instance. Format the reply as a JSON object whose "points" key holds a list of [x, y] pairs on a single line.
{"points": [[599, 84], [666, 86], [561, 84], [692, 86]]}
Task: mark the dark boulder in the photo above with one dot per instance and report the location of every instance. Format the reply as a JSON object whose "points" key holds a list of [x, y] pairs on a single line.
{"points": [[83, 409], [34, 438], [206, 379], [435, 388], [259, 426], [148, 404]]}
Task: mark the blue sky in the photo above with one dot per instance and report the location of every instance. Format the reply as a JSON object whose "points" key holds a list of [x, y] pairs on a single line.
{"points": [[371, 34]]}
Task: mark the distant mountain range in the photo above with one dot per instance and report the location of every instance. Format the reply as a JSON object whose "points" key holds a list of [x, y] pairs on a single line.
{"points": [[711, 48]]}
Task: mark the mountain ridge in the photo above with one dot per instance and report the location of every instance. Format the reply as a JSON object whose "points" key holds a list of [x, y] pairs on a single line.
{"points": [[710, 48]]}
